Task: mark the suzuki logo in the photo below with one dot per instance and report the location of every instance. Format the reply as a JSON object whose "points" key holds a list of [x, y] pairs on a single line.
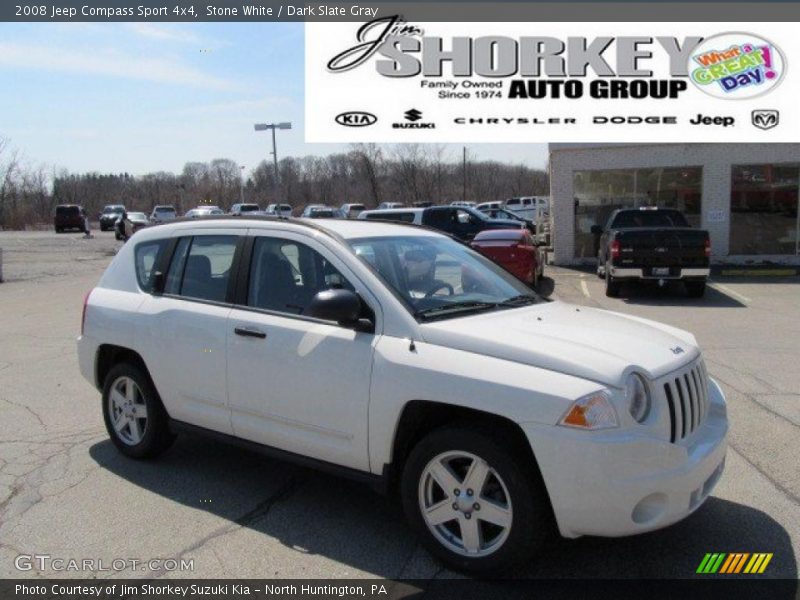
{"points": [[356, 118], [765, 118], [413, 115]]}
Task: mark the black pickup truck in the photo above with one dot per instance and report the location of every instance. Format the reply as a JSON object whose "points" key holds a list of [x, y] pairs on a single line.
{"points": [[654, 244]]}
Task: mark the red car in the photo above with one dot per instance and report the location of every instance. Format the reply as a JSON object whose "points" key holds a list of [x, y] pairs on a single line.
{"points": [[512, 249]]}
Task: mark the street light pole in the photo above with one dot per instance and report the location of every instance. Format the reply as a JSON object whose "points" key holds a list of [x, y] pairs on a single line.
{"points": [[273, 127]]}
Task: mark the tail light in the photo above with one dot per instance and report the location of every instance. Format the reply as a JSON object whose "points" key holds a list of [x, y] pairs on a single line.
{"points": [[615, 249], [83, 314], [708, 248]]}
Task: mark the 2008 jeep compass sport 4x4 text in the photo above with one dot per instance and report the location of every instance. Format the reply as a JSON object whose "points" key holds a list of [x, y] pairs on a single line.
{"points": [[395, 353]]}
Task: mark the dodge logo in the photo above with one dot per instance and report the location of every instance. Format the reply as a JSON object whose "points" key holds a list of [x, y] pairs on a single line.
{"points": [[356, 118], [765, 119]]}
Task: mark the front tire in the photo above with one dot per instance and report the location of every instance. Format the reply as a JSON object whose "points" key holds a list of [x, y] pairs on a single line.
{"points": [[134, 416], [471, 501]]}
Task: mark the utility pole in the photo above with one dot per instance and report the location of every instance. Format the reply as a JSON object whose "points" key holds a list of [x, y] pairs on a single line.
{"points": [[241, 184], [464, 179]]}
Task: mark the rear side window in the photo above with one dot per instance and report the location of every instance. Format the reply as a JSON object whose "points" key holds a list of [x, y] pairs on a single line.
{"points": [[146, 258], [201, 267]]}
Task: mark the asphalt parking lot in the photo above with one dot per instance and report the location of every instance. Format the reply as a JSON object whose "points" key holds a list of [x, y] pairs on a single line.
{"points": [[66, 492]]}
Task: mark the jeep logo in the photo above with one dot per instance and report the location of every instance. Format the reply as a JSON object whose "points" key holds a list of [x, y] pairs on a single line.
{"points": [[356, 118]]}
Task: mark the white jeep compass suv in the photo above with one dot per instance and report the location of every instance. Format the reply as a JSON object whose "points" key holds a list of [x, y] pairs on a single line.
{"points": [[398, 355]]}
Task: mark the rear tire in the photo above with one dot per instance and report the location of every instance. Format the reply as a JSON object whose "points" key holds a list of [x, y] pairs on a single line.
{"points": [[612, 285], [464, 470], [695, 289], [133, 413]]}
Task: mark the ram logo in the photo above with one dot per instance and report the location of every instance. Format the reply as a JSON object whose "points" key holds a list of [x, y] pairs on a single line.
{"points": [[356, 118], [765, 119]]}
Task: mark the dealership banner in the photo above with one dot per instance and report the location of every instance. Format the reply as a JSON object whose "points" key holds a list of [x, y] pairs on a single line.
{"points": [[390, 79]]}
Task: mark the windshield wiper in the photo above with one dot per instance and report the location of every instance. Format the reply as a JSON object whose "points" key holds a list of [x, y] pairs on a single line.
{"points": [[455, 307], [521, 300]]}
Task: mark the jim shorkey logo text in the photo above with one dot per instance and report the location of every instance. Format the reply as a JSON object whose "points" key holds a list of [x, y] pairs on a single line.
{"points": [[570, 67]]}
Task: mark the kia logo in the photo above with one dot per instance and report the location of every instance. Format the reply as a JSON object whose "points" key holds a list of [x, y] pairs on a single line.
{"points": [[356, 118]]}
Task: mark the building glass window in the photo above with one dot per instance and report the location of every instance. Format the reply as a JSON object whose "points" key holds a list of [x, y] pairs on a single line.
{"points": [[764, 218], [599, 193]]}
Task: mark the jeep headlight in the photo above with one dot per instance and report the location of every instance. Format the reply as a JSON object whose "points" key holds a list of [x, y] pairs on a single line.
{"points": [[637, 396], [594, 411]]}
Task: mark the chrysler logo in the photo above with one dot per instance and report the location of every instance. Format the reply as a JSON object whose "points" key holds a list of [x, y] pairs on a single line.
{"points": [[765, 119], [677, 350], [356, 118]]}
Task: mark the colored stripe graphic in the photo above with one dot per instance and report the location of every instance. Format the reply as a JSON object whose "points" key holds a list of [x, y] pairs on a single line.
{"points": [[733, 563]]}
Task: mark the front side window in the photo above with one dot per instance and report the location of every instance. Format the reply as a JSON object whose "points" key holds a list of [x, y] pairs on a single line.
{"points": [[201, 267], [285, 275], [439, 277]]}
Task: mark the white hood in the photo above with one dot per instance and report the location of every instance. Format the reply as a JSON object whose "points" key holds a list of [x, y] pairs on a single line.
{"points": [[586, 342]]}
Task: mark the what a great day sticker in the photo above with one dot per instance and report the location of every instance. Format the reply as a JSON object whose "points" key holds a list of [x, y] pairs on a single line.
{"points": [[736, 65]]}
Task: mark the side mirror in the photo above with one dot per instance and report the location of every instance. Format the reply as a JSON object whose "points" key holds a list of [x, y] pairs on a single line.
{"points": [[159, 281], [341, 306], [597, 230]]}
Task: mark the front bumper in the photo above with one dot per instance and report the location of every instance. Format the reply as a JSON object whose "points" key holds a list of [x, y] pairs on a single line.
{"points": [[621, 482]]}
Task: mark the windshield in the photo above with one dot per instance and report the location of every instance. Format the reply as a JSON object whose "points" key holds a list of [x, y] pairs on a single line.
{"points": [[164, 209], [112, 209], [248, 208], [440, 278]]}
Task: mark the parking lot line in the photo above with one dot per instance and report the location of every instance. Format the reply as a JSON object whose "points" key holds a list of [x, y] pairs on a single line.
{"points": [[726, 290], [585, 288]]}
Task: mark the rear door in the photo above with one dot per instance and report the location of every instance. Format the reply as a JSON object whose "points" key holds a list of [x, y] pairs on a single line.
{"points": [[184, 336]]}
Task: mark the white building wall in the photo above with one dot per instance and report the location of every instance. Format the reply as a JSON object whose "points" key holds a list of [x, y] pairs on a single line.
{"points": [[716, 161]]}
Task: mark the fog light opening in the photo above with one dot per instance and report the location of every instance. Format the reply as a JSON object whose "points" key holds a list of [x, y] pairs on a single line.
{"points": [[649, 508]]}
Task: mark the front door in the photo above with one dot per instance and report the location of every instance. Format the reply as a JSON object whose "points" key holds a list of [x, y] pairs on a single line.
{"points": [[297, 383]]}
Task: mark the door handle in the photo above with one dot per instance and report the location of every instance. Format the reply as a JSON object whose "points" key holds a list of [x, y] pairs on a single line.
{"points": [[245, 332]]}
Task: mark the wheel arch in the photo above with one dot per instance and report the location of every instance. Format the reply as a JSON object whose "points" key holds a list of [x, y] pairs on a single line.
{"points": [[110, 355], [420, 417]]}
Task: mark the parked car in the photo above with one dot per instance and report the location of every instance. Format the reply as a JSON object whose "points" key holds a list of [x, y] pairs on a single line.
{"points": [[652, 244], [109, 216], [486, 206], [204, 211], [404, 358], [459, 221], [351, 211], [529, 207], [163, 213], [129, 223], [514, 250], [319, 211], [69, 216], [464, 204], [282, 210], [384, 205], [502, 213], [241, 209]]}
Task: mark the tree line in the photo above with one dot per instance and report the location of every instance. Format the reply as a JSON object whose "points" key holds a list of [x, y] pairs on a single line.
{"points": [[367, 173]]}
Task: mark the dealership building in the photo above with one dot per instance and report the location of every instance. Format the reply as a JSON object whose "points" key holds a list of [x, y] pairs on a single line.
{"points": [[745, 195]]}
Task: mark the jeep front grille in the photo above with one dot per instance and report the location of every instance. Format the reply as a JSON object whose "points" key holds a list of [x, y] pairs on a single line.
{"points": [[687, 399]]}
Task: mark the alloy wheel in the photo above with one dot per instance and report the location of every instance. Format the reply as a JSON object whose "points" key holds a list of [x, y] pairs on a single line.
{"points": [[128, 410], [465, 504]]}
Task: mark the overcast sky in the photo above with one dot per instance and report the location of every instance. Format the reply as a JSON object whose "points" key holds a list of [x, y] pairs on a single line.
{"points": [[141, 97]]}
